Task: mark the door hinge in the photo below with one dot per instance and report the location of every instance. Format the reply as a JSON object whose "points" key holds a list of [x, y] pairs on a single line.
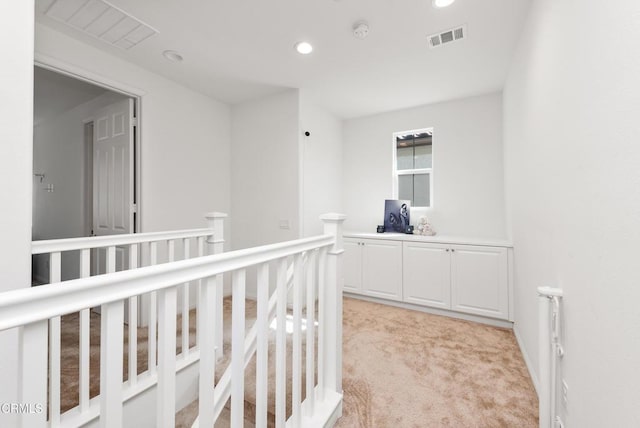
{"points": [[134, 121], [134, 208]]}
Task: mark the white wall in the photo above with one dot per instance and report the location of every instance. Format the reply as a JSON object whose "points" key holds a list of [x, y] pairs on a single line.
{"points": [[468, 188], [265, 170], [321, 164], [16, 130], [59, 152], [185, 137], [571, 126]]}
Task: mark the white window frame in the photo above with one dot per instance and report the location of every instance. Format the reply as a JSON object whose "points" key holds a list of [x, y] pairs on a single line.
{"points": [[396, 173]]}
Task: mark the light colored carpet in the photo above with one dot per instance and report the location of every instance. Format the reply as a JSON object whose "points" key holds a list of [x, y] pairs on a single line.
{"points": [[401, 368], [404, 368]]}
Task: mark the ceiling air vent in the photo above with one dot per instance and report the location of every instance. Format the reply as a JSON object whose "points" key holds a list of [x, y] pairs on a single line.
{"points": [[102, 20], [448, 36]]}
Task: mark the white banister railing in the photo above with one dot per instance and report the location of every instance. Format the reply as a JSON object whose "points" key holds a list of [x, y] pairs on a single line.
{"points": [[550, 352], [37, 311], [100, 255], [71, 244]]}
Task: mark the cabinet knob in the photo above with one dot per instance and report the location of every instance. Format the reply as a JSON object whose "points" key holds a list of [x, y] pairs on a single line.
{"points": [[452, 250], [447, 250]]}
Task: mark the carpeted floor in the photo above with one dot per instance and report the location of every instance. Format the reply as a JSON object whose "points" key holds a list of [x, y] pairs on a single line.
{"points": [[404, 368], [401, 368]]}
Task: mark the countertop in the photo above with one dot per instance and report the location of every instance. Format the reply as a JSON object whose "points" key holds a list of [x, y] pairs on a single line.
{"points": [[436, 239]]}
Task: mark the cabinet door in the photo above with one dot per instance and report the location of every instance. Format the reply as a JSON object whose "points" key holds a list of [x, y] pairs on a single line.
{"points": [[382, 268], [352, 265], [426, 274], [479, 280]]}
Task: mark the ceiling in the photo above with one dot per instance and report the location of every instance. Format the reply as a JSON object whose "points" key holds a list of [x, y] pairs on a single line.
{"points": [[236, 50], [56, 93]]}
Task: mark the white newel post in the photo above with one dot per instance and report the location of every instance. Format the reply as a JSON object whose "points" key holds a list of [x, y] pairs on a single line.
{"points": [[215, 243], [546, 355], [332, 307]]}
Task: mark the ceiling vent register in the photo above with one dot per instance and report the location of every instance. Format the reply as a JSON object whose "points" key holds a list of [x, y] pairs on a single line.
{"points": [[448, 36], [102, 20]]}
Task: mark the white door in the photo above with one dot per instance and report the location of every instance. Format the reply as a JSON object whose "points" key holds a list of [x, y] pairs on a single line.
{"points": [[113, 179], [352, 266], [479, 280], [426, 270], [382, 268]]}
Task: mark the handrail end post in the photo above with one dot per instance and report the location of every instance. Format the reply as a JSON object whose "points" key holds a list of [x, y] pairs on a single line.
{"points": [[215, 221], [332, 307]]}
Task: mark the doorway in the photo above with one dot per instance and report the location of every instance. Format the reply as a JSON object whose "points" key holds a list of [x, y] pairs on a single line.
{"points": [[86, 150]]}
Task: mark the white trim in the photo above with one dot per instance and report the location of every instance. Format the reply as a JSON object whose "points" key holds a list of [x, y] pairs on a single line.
{"points": [[435, 239], [395, 173], [71, 70], [27, 305], [434, 311], [145, 381], [326, 412], [71, 244], [527, 360]]}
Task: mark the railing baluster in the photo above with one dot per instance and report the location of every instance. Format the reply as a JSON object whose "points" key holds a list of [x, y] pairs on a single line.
{"points": [[111, 355], [54, 348], [199, 286], [262, 346], [33, 372], [281, 345], [111, 364], [322, 275], [165, 404], [296, 378], [133, 322], [311, 301], [85, 326], [206, 345], [153, 315], [185, 304], [237, 348]]}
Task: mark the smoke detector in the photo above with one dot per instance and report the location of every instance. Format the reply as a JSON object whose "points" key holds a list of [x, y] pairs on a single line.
{"points": [[448, 36], [360, 30]]}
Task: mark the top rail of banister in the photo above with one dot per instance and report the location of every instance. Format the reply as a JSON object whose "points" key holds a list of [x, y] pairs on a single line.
{"points": [[24, 306], [71, 244]]}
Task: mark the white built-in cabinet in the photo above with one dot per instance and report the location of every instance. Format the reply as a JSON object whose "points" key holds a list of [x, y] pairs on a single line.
{"points": [[466, 278], [427, 274], [479, 280], [373, 267]]}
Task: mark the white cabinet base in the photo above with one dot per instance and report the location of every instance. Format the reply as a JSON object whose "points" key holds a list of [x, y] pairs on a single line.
{"points": [[434, 311], [479, 280], [373, 267], [454, 278], [426, 274]]}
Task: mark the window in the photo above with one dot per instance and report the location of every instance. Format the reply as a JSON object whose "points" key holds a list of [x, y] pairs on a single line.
{"points": [[413, 166]]}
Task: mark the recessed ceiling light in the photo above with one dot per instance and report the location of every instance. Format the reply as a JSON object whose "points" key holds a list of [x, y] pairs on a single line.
{"points": [[172, 56], [304, 48], [442, 3]]}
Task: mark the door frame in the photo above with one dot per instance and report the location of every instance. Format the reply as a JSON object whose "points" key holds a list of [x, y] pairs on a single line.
{"points": [[55, 65]]}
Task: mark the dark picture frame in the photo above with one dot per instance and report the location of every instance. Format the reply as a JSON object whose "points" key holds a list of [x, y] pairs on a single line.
{"points": [[397, 214]]}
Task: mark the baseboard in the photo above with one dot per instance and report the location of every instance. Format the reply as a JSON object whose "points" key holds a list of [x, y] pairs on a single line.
{"points": [[325, 414], [527, 360], [434, 311]]}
